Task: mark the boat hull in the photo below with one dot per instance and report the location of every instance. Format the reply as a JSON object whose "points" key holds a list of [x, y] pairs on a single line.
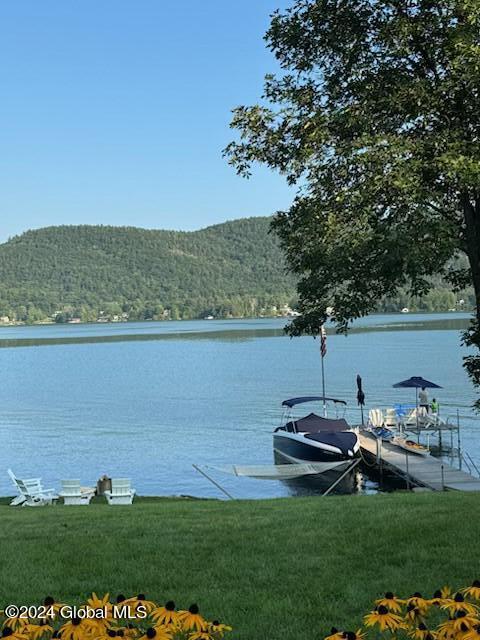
{"points": [[297, 448]]}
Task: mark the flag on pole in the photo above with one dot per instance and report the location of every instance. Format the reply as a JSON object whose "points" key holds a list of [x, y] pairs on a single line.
{"points": [[323, 341]]}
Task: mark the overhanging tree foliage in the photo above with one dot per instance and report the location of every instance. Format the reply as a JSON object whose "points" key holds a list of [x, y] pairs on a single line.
{"points": [[376, 116]]}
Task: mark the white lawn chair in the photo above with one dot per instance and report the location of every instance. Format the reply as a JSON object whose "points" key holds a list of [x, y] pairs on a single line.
{"points": [[121, 493], [375, 418], [417, 417], [74, 494], [391, 420], [31, 492]]}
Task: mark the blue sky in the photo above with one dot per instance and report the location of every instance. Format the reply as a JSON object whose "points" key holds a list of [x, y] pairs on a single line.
{"points": [[116, 112]]}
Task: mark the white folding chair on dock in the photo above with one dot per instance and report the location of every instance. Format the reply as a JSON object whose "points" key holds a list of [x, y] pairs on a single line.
{"points": [[31, 492], [121, 492], [74, 494]]}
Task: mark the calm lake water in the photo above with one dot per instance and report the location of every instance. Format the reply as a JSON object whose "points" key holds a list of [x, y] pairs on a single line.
{"points": [[148, 400]]}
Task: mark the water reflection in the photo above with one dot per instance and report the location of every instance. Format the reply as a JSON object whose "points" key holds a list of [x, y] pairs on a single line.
{"points": [[137, 332]]}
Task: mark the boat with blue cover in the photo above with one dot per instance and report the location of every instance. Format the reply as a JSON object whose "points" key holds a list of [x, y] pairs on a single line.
{"points": [[329, 442]]}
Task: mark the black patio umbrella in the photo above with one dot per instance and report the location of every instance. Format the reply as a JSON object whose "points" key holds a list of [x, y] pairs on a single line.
{"points": [[417, 382], [360, 394]]}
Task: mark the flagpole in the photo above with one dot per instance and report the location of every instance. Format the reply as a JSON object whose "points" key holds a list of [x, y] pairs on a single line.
{"points": [[323, 388], [323, 352]]}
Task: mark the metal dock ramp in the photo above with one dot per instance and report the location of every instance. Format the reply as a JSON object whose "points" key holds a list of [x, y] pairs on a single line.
{"points": [[425, 471]]}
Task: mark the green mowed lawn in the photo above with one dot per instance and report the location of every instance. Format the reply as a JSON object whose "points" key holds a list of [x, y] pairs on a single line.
{"points": [[286, 568]]}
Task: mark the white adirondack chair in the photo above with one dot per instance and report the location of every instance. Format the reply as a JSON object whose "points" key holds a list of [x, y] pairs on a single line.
{"points": [[31, 492], [391, 419], [74, 494], [121, 493], [375, 418]]}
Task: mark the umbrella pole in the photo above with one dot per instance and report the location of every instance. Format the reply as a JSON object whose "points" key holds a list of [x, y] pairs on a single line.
{"points": [[416, 413], [323, 387]]}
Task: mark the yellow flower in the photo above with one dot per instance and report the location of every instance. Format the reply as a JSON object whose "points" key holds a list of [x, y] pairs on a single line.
{"points": [[75, 629], [440, 596], [94, 602], [15, 624], [14, 634], [166, 614], [418, 602], [457, 603], [391, 602], [472, 634], [192, 620], [159, 632], [201, 635], [218, 628], [130, 632], [421, 633], [414, 614], [335, 634], [36, 631], [138, 600], [473, 591], [384, 619], [461, 623], [51, 603]]}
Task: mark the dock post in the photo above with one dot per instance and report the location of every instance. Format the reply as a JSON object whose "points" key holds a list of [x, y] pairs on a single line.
{"points": [[459, 442], [443, 477], [407, 470]]}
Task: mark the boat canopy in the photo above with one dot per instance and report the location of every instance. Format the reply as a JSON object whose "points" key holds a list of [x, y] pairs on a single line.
{"points": [[293, 401], [313, 424]]}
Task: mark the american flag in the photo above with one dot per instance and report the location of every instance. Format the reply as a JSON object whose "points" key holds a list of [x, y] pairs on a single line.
{"points": [[323, 341]]}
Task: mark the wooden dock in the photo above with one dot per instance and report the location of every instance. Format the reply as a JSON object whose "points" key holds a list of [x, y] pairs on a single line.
{"points": [[424, 471]]}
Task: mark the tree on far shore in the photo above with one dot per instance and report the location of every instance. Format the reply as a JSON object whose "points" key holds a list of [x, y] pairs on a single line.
{"points": [[375, 115]]}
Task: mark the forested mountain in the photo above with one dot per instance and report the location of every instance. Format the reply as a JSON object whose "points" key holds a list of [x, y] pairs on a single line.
{"points": [[235, 268], [92, 272]]}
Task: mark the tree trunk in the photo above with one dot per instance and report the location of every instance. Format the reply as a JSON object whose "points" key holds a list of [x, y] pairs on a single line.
{"points": [[471, 212]]}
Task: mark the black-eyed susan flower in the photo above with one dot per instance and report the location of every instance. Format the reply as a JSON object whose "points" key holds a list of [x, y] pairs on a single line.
{"points": [[419, 602], [75, 629], [414, 614], [460, 623], [95, 602], [335, 634], [391, 602], [166, 614], [15, 624], [129, 632], [201, 635], [140, 600], [473, 591], [421, 632], [218, 628], [192, 620], [37, 631], [14, 634], [438, 599], [353, 635], [473, 633], [384, 619], [458, 603], [160, 632], [51, 604]]}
